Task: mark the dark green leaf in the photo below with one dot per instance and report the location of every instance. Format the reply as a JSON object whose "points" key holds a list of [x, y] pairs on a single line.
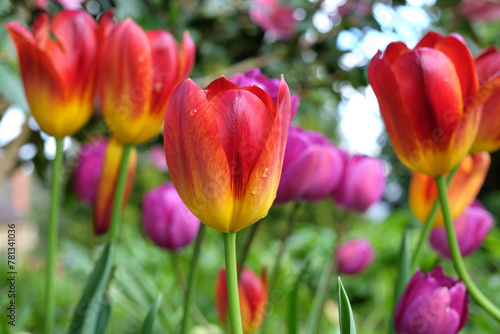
{"points": [[147, 325], [86, 315], [104, 315], [346, 317]]}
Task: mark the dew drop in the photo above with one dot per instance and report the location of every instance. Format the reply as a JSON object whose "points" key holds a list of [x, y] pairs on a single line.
{"points": [[193, 112], [254, 191], [265, 172], [158, 86]]}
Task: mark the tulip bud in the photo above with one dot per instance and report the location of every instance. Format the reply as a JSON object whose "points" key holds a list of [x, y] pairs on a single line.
{"points": [[312, 167], [462, 190], [255, 77], [138, 72], [252, 292], [107, 184], [224, 147], [471, 227], [88, 170], [362, 185], [433, 304], [58, 67], [488, 135], [354, 256], [425, 97], [167, 221]]}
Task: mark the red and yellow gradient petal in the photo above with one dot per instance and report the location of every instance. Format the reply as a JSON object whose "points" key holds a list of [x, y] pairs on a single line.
{"points": [[195, 156], [187, 56], [126, 82], [107, 184], [462, 191]]}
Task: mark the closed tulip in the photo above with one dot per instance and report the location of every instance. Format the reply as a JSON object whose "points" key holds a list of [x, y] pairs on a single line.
{"points": [[253, 296], [88, 170], [255, 77], [432, 303], [58, 67], [107, 184], [425, 98], [462, 190], [137, 74], [312, 167], [488, 136], [471, 227], [362, 184], [354, 256], [167, 221], [224, 148]]}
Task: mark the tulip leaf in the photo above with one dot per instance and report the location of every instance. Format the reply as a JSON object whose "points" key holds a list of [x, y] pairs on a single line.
{"points": [[147, 325], [346, 318], [292, 304], [404, 274], [88, 311], [104, 315]]}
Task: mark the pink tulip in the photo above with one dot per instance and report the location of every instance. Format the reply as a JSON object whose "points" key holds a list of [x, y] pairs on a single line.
{"points": [[354, 256], [88, 170], [275, 19]]}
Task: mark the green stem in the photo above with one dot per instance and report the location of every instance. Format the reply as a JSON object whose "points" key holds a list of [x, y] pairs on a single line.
{"points": [[116, 213], [50, 298], [193, 273], [324, 284], [458, 261], [232, 283], [250, 239], [426, 231]]}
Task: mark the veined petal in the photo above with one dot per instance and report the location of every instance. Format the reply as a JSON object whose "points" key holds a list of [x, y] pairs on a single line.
{"points": [[194, 150], [187, 56], [126, 82], [264, 180], [107, 184], [164, 70]]}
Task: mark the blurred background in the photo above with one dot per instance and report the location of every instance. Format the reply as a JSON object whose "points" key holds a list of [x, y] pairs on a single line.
{"points": [[324, 61]]}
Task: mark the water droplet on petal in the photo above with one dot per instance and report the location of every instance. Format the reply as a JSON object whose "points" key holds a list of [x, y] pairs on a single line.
{"points": [[193, 112], [158, 86], [265, 172], [254, 191]]}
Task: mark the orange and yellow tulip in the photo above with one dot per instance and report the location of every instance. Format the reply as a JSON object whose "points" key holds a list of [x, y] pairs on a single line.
{"points": [[425, 97], [224, 148], [488, 70], [253, 294], [107, 184], [138, 72], [462, 190], [58, 73]]}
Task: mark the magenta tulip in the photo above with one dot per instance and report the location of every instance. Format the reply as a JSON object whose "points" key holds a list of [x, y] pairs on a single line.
{"points": [[312, 167], [471, 227], [167, 221], [362, 185], [88, 170], [354, 256], [432, 303]]}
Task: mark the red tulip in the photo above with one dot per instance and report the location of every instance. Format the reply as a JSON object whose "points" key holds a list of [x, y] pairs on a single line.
{"points": [[58, 73], [252, 292], [425, 97], [224, 148], [138, 72]]}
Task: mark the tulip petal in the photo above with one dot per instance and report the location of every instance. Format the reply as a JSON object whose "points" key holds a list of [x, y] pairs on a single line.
{"points": [[394, 51], [105, 26], [126, 82], [191, 139], [219, 85], [107, 184], [187, 56], [429, 40]]}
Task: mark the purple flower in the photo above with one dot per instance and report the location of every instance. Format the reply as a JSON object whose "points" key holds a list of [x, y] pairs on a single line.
{"points": [[362, 185], [432, 304], [354, 256], [471, 227], [312, 167], [88, 170], [255, 77], [167, 220], [273, 18]]}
